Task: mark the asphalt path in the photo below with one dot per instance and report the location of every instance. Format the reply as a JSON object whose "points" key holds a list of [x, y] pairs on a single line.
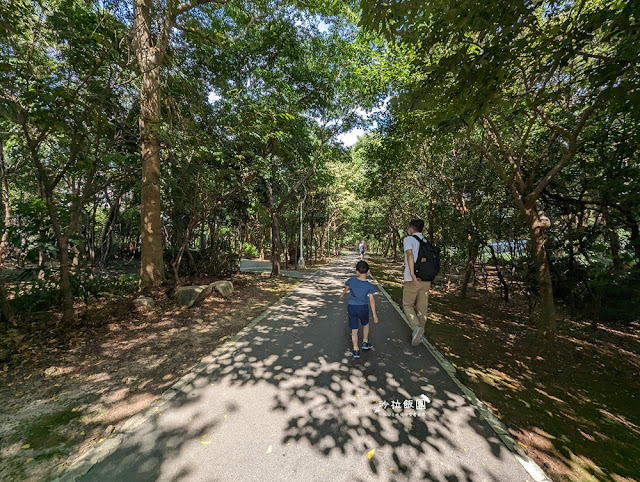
{"points": [[257, 266], [288, 402]]}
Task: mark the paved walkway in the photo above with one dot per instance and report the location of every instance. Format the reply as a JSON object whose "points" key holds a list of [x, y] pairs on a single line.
{"points": [[257, 266], [287, 402]]}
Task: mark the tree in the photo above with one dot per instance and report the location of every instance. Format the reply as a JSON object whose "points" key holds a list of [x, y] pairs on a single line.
{"points": [[65, 109], [153, 25], [522, 82]]}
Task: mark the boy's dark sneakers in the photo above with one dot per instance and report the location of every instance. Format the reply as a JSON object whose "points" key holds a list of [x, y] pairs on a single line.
{"points": [[366, 345], [356, 353]]}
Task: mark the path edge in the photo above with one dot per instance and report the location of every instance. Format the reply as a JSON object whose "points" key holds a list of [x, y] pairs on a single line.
{"points": [[81, 465], [532, 468]]}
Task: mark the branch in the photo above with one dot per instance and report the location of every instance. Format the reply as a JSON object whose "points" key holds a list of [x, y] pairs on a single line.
{"points": [[525, 137], [186, 6], [515, 167], [483, 151], [538, 163], [200, 34], [552, 125], [300, 182], [568, 156]]}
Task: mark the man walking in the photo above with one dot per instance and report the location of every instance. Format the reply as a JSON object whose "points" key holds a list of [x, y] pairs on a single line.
{"points": [[415, 293]]}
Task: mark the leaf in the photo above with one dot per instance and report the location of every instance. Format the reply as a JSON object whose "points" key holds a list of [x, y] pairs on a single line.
{"points": [[371, 453], [30, 459], [25, 446], [203, 442], [270, 449]]}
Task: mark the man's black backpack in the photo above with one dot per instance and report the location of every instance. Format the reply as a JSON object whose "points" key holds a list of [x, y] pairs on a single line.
{"points": [[428, 264]]}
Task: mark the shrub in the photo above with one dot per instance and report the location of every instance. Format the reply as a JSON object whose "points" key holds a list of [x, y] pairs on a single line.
{"points": [[249, 251]]}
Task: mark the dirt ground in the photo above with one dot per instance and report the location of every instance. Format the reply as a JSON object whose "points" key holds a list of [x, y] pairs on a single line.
{"points": [[68, 389], [574, 407]]}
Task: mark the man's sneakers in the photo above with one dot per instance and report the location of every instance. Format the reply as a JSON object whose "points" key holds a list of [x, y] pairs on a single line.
{"points": [[366, 345], [416, 337], [356, 353]]}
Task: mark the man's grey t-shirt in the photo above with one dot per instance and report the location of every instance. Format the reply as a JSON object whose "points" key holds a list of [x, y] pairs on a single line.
{"points": [[359, 291], [414, 245]]}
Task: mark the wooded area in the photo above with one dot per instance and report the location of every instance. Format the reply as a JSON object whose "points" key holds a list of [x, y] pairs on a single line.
{"points": [[146, 143], [517, 125]]}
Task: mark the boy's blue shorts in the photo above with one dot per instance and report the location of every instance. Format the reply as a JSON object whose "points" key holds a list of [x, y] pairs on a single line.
{"points": [[358, 312]]}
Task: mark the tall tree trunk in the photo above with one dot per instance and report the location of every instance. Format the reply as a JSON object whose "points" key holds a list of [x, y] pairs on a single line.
{"points": [[634, 232], [394, 246], [472, 244], [6, 203], [68, 312], [537, 222], [614, 240], [152, 263], [7, 313], [62, 238], [261, 241], [431, 221], [105, 237], [149, 60], [505, 287], [184, 248], [276, 246]]}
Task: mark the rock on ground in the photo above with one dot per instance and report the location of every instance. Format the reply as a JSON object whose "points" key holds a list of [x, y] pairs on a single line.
{"points": [[190, 295], [225, 288], [144, 303]]}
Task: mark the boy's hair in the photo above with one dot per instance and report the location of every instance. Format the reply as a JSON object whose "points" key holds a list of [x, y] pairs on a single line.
{"points": [[417, 224], [362, 267]]}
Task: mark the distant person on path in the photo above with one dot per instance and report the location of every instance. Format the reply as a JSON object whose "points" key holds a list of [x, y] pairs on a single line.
{"points": [[415, 293], [361, 250], [358, 307]]}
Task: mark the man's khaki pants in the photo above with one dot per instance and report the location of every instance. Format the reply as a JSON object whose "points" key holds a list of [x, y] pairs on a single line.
{"points": [[416, 299]]}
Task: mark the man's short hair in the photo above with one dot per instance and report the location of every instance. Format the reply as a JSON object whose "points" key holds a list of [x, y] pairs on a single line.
{"points": [[362, 267], [417, 224]]}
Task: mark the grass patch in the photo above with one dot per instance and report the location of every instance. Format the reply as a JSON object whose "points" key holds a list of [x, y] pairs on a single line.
{"points": [[45, 431]]}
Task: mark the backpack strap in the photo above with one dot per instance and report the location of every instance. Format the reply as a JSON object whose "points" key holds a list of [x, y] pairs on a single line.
{"points": [[420, 240]]}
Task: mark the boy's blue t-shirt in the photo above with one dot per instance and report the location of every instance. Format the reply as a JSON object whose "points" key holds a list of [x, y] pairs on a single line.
{"points": [[359, 291]]}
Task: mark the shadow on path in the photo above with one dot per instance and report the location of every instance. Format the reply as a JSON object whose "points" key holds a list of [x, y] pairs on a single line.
{"points": [[287, 402]]}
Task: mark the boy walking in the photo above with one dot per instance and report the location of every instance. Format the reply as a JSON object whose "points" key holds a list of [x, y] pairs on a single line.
{"points": [[358, 307]]}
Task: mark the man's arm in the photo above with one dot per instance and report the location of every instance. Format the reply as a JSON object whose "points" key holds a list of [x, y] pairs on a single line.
{"points": [[372, 301], [411, 265]]}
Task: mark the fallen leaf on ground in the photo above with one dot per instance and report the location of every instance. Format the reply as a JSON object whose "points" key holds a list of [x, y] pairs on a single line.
{"points": [[269, 449], [25, 446], [371, 453]]}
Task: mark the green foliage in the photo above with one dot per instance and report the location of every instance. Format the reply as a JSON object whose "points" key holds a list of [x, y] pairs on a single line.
{"points": [[86, 285], [249, 251], [33, 294]]}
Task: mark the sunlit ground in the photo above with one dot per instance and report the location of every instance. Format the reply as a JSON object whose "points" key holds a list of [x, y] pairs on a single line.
{"points": [[68, 385], [576, 412]]}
